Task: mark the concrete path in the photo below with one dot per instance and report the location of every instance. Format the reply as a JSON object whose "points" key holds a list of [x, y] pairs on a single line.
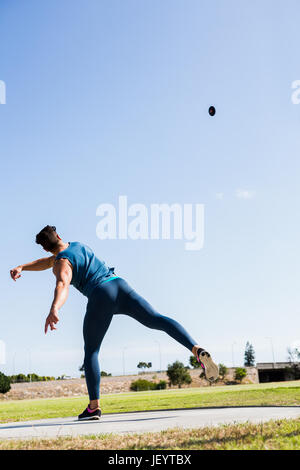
{"points": [[145, 421]]}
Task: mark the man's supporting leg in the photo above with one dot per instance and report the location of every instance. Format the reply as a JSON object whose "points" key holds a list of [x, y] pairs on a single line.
{"points": [[96, 322]]}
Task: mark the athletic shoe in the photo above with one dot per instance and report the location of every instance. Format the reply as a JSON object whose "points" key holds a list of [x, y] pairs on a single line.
{"points": [[211, 369], [89, 414]]}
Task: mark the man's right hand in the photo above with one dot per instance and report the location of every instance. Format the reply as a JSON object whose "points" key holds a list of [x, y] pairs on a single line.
{"points": [[16, 273]]}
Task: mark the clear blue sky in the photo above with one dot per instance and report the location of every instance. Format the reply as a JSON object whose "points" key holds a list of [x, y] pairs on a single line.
{"points": [[109, 98]]}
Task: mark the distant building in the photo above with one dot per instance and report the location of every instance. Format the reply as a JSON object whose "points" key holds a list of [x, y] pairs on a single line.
{"points": [[278, 371]]}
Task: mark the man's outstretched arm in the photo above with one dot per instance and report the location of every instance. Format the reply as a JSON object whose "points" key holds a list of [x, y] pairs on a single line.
{"points": [[63, 273], [38, 265]]}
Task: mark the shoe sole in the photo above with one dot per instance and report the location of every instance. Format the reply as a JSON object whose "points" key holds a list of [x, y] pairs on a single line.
{"points": [[211, 369], [92, 418]]}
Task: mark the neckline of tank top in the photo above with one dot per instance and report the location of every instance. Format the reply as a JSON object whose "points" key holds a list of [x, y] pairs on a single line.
{"points": [[63, 250]]}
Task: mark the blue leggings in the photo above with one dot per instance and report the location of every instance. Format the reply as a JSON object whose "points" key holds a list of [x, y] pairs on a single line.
{"points": [[117, 297]]}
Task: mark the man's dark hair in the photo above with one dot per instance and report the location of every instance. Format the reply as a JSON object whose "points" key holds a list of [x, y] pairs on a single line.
{"points": [[47, 237]]}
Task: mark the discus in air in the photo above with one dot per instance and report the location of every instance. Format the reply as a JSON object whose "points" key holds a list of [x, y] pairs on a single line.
{"points": [[212, 111]]}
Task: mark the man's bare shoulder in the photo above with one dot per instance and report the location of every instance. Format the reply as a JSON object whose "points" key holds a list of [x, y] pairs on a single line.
{"points": [[61, 263]]}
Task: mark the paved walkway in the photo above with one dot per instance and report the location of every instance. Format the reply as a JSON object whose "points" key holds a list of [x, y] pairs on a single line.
{"points": [[145, 421]]}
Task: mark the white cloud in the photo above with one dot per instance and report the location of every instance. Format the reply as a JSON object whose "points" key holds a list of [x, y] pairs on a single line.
{"points": [[219, 196], [244, 194]]}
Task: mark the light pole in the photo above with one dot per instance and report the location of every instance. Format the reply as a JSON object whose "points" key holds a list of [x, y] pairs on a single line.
{"points": [[232, 352], [14, 363], [268, 337], [29, 352], [125, 347], [159, 350]]}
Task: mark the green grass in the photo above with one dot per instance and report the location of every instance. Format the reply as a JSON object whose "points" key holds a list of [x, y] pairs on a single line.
{"points": [[273, 435], [280, 394]]}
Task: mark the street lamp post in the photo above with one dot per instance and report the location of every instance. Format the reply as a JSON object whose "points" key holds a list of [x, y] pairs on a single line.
{"points": [[125, 347], [268, 337], [159, 350], [29, 352], [232, 352], [14, 363]]}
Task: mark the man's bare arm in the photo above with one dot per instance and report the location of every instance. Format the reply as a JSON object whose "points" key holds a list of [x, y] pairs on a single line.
{"points": [[38, 265], [63, 272]]}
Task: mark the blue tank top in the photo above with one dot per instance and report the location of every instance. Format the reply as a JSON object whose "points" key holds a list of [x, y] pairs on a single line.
{"points": [[88, 270]]}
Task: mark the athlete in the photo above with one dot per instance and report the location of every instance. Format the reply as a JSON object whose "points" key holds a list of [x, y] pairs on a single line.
{"points": [[108, 294]]}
